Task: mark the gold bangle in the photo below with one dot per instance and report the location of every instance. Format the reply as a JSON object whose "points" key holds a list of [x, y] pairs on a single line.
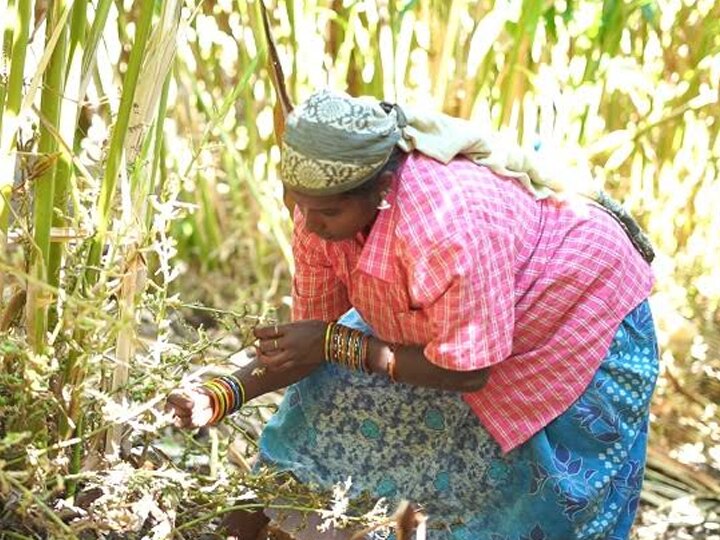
{"points": [[328, 341], [365, 353]]}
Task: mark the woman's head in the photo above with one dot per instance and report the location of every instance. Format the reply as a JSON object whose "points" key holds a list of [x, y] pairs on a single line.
{"points": [[343, 215], [339, 155]]}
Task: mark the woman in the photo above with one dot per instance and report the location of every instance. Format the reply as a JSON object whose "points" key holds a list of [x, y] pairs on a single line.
{"points": [[495, 353]]}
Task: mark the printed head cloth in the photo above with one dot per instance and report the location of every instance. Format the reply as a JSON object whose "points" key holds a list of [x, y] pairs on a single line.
{"points": [[334, 142]]}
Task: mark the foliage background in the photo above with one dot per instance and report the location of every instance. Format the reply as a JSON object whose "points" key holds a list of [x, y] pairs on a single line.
{"points": [[143, 231]]}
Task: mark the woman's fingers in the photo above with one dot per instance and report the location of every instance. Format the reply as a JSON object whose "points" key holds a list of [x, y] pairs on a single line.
{"points": [[190, 408], [270, 339], [179, 402], [274, 360], [182, 422], [271, 346], [268, 332]]}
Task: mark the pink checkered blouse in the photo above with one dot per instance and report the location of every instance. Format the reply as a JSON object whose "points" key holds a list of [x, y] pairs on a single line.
{"points": [[469, 265]]}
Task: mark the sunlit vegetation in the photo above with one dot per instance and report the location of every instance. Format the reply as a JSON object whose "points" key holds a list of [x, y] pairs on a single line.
{"points": [[142, 229]]}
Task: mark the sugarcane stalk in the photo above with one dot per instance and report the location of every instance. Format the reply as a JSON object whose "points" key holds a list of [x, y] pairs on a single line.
{"points": [[158, 146], [5, 52], [151, 88], [68, 426], [133, 283], [20, 14], [73, 374], [39, 299], [283, 104], [117, 141], [68, 122], [512, 87], [94, 36], [457, 8]]}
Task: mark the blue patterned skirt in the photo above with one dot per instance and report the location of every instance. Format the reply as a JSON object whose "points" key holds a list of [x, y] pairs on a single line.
{"points": [[578, 478]]}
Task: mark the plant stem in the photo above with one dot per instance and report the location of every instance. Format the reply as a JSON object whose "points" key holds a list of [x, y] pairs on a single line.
{"points": [[248, 506], [50, 513], [68, 117], [38, 301], [6, 51], [117, 141], [21, 15]]}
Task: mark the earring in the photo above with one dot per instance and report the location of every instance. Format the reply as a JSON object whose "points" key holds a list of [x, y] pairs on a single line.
{"points": [[383, 204]]}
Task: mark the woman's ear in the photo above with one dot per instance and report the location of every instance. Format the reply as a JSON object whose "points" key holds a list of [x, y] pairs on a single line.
{"points": [[384, 183], [383, 188]]}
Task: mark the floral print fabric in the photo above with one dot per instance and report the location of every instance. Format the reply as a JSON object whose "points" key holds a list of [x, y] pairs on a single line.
{"points": [[578, 478]]}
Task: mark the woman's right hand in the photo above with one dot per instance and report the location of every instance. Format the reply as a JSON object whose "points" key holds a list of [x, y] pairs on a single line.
{"points": [[191, 408]]}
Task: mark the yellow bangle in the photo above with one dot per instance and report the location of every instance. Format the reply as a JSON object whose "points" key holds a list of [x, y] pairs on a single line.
{"points": [[328, 341], [222, 400], [229, 394]]}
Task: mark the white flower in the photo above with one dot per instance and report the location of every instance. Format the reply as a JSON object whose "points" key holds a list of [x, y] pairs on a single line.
{"points": [[336, 517]]}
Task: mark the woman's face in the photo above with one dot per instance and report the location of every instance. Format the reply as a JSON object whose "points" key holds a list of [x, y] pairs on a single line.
{"points": [[337, 217]]}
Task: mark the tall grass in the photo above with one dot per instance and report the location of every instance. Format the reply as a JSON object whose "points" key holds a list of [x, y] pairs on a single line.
{"points": [[14, 50], [138, 175]]}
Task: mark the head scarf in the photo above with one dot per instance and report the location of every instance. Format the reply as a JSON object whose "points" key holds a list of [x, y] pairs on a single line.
{"points": [[334, 142]]}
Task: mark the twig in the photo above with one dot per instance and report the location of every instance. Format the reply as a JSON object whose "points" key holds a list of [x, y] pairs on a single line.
{"points": [[679, 387], [367, 530], [248, 506], [11, 534], [76, 440], [52, 515]]}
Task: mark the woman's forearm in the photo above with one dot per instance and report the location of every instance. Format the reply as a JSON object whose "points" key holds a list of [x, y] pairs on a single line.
{"points": [[259, 380], [412, 367]]}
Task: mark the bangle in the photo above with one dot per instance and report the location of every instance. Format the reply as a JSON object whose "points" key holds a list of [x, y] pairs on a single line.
{"points": [[232, 391], [214, 401], [391, 365], [227, 395], [238, 389], [328, 341], [346, 347], [365, 354], [233, 397], [220, 402]]}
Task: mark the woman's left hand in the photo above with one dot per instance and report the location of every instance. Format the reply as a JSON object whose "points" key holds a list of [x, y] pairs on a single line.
{"points": [[290, 346]]}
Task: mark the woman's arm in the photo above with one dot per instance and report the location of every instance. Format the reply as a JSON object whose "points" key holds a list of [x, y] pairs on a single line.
{"points": [[290, 346], [412, 367], [259, 380], [193, 408], [290, 352]]}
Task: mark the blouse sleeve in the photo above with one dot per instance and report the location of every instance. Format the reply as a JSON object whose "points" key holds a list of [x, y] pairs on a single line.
{"points": [[317, 292], [465, 285]]}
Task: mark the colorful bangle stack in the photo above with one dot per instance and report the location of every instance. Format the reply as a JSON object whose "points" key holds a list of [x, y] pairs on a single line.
{"points": [[227, 395], [347, 347]]}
